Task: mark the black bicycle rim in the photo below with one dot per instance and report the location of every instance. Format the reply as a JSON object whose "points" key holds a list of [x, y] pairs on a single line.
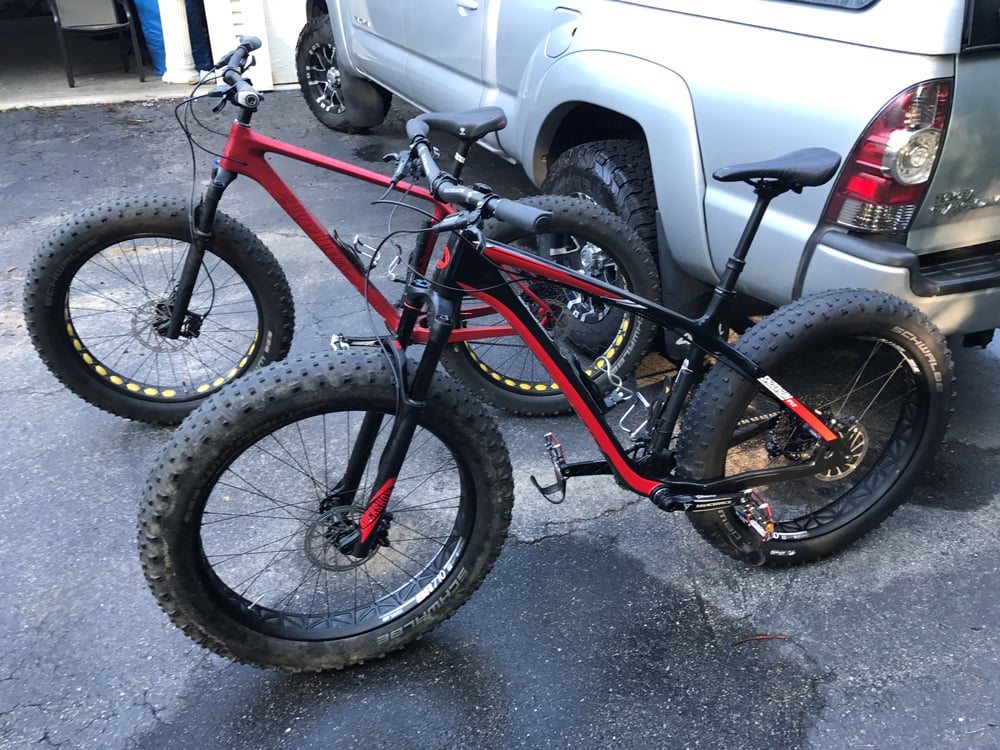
{"points": [[328, 595]]}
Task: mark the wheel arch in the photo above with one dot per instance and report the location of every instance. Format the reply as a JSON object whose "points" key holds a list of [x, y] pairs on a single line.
{"points": [[315, 8], [581, 122], [635, 100]]}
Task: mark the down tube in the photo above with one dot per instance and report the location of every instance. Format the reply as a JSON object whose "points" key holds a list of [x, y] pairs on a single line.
{"points": [[502, 299], [246, 154]]}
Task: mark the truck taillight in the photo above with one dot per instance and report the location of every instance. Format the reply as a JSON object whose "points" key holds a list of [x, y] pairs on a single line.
{"points": [[886, 176]]}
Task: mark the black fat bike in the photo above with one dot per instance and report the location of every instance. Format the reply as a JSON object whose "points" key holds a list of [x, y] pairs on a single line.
{"points": [[325, 511]]}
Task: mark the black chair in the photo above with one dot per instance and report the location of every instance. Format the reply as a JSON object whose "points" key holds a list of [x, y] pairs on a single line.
{"points": [[97, 17]]}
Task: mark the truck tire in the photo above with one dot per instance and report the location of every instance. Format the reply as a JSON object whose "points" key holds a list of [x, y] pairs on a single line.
{"points": [[504, 371], [615, 174], [339, 101]]}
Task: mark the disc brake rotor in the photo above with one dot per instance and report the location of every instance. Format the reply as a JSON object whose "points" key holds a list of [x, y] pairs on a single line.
{"points": [[147, 320], [856, 439]]}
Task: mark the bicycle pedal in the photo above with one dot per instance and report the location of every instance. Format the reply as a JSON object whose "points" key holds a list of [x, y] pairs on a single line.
{"points": [[554, 450], [341, 343], [758, 516]]}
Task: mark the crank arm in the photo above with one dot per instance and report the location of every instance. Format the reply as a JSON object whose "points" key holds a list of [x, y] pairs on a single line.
{"points": [[671, 502], [755, 511]]}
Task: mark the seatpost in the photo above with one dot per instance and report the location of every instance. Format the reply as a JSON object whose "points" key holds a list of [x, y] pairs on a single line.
{"points": [[724, 290]]}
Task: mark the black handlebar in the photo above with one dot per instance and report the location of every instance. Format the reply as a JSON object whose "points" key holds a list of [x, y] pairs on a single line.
{"points": [[416, 127], [235, 58], [522, 216], [232, 65], [446, 188]]}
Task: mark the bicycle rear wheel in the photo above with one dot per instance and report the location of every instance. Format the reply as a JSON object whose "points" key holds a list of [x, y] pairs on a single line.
{"points": [[867, 360], [99, 296], [239, 528], [587, 238]]}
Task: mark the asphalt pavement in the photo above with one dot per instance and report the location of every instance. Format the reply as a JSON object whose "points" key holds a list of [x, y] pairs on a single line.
{"points": [[606, 623]]}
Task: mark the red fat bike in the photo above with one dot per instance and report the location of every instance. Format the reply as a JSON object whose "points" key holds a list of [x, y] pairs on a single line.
{"points": [[145, 305]]}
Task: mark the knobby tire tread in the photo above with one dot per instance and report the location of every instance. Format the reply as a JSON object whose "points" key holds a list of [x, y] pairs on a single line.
{"points": [[707, 418], [579, 217], [71, 245], [618, 175], [217, 429]]}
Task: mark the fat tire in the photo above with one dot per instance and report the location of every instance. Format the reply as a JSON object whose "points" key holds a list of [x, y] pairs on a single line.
{"points": [[616, 174], [83, 237], [588, 222], [791, 338], [288, 393], [315, 56]]}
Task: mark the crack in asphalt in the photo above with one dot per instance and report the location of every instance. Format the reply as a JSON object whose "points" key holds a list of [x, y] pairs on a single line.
{"points": [[575, 525]]}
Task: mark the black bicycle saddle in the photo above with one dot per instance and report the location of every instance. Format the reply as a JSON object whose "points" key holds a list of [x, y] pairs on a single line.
{"points": [[806, 167], [467, 126]]}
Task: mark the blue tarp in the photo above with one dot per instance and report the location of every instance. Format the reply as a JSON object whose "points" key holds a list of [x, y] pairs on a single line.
{"points": [[152, 30]]}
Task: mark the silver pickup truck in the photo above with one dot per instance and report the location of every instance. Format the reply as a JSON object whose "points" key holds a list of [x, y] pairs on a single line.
{"points": [[635, 103]]}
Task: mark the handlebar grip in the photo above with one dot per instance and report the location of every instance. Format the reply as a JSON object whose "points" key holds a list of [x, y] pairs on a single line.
{"points": [[522, 216], [416, 126], [234, 60], [250, 43]]}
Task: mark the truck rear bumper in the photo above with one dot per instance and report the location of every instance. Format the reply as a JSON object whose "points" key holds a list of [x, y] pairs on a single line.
{"points": [[958, 290]]}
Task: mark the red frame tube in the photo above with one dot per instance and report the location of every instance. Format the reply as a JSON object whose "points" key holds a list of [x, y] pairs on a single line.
{"points": [[245, 153]]}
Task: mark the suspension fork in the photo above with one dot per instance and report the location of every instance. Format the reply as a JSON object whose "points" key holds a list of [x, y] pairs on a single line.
{"points": [[414, 390], [346, 490], [204, 219]]}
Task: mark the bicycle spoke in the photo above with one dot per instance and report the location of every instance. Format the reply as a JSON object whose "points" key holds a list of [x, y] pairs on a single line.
{"points": [[278, 485]]}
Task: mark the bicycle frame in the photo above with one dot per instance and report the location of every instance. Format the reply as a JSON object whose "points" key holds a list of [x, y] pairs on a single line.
{"points": [[483, 281], [431, 313], [245, 154], [488, 271]]}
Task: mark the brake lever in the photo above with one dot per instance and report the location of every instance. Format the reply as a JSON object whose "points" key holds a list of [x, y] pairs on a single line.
{"points": [[459, 220], [402, 159], [222, 93]]}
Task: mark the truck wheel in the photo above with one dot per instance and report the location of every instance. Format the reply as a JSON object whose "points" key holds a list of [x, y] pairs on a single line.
{"points": [[586, 238], [340, 102], [615, 174]]}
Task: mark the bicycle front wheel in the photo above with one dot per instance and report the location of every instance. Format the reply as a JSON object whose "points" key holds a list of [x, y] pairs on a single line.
{"points": [[586, 238], [100, 293], [872, 367], [239, 528]]}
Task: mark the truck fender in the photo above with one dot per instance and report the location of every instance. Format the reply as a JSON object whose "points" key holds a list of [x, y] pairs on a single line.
{"points": [[339, 24], [659, 101]]}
